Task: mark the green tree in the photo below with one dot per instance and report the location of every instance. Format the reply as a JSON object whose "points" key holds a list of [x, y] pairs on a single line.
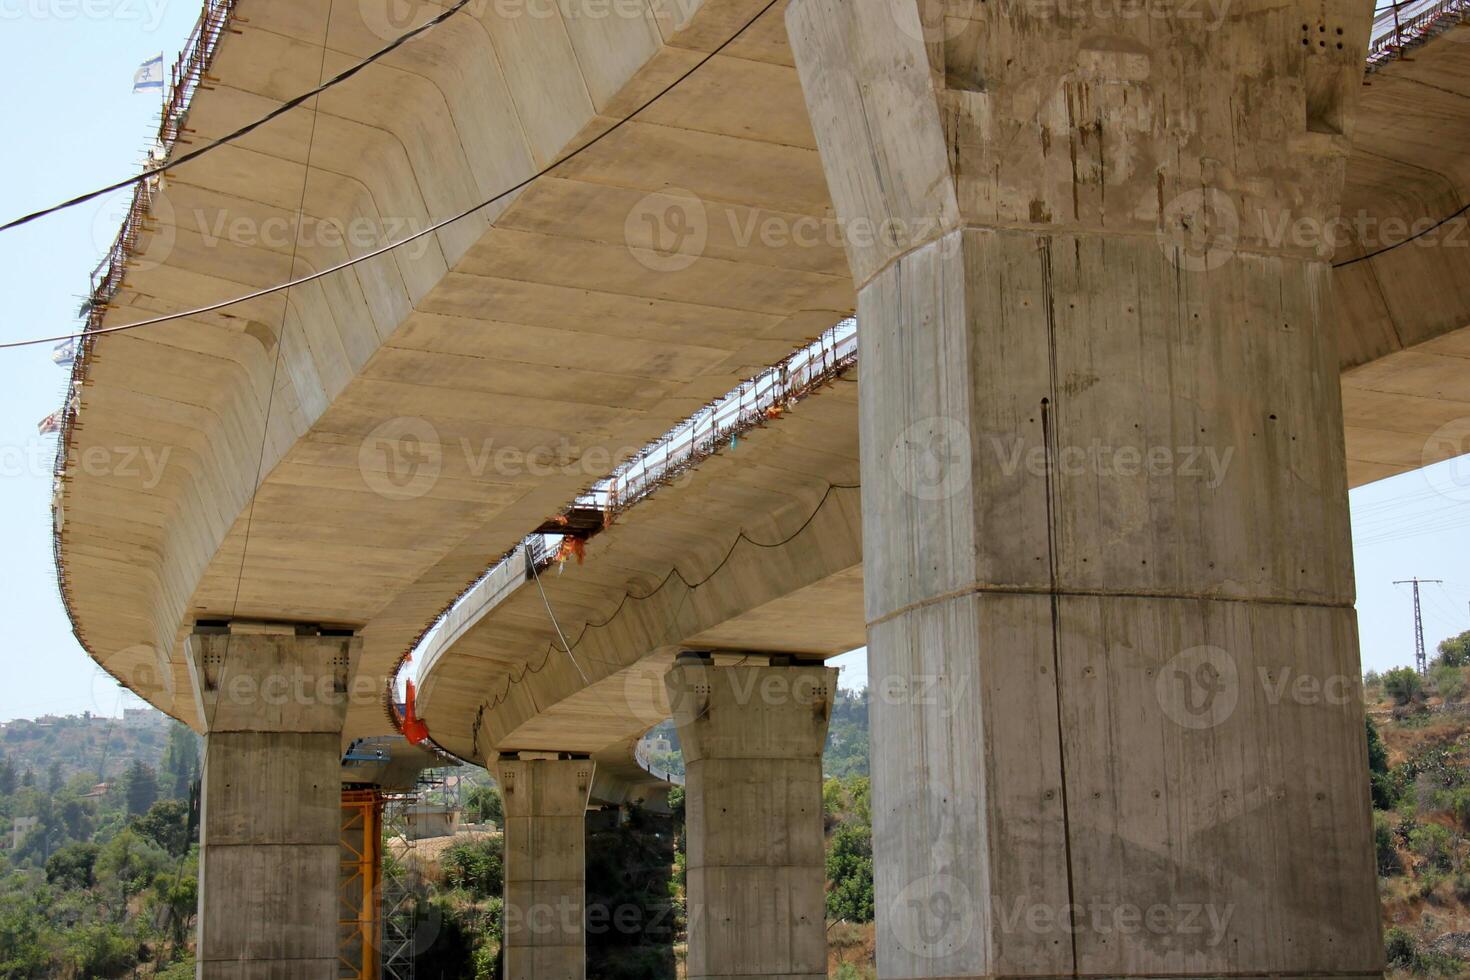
{"points": [[141, 784], [183, 969], [850, 873], [166, 824], [1400, 947], [7, 776], [1384, 847], [181, 760], [25, 938], [1403, 684], [130, 863], [73, 866], [475, 866], [1455, 652], [1385, 790], [484, 803], [176, 895], [100, 950], [846, 752], [1448, 681], [76, 819], [1435, 845]]}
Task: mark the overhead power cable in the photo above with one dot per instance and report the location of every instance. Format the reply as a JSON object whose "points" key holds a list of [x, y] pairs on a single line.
{"points": [[245, 130], [304, 280], [1399, 244]]}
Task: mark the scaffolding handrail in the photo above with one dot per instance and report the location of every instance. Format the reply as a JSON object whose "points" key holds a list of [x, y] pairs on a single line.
{"points": [[718, 424], [1399, 26], [185, 77]]}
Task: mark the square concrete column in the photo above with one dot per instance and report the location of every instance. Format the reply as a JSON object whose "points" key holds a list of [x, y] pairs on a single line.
{"points": [[1116, 719], [272, 704], [545, 865], [752, 740]]}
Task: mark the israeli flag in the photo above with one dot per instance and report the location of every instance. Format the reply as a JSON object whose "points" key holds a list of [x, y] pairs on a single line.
{"points": [[64, 353], [149, 76]]}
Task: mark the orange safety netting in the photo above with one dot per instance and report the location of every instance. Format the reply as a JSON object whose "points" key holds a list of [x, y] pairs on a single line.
{"points": [[572, 547]]}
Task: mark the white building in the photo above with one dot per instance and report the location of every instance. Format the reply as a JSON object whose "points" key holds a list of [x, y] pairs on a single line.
{"points": [[23, 826]]}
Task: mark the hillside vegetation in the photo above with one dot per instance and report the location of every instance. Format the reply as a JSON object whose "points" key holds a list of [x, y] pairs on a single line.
{"points": [[1419, 758], [102, 881], [104, 884]]}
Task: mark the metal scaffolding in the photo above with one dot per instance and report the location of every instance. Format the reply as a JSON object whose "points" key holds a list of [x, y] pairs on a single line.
{"points": [[359, 917]]}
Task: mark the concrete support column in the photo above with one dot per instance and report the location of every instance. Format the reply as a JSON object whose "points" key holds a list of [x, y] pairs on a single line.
{"points": [[545, 866], [272, 704], [1116, 722], [752, 740]]}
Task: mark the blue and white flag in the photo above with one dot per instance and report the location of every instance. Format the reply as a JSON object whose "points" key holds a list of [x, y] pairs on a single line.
{"points": [[149, 76], [64, 353]]}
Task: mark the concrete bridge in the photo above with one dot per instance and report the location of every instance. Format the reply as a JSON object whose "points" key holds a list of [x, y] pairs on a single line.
{"points": [[1136, 307]]}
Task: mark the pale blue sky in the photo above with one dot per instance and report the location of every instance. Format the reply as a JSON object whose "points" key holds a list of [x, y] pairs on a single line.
{"points": [[74, 124]]}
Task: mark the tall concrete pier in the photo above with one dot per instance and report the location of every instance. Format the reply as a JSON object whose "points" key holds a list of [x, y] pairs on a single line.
{"points": [[752, 740], [545, 865], [273, 704], [1075, 299]]}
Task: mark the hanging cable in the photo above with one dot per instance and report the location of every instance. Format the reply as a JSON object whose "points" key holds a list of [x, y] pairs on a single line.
{"points": [[304, 280], [1414, 237], [536, 574], [245, 130]]}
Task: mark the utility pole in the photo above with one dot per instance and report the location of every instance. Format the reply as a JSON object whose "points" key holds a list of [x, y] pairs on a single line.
{"points": [[1419, 659]]}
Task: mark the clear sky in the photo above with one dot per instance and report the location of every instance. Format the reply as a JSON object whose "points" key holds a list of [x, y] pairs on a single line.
{"points": [[74, 124]]}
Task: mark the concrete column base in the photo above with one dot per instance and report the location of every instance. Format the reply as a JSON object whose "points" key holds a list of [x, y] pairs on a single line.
{"points": [[273, 704], [545, 866], [752, 740]]}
